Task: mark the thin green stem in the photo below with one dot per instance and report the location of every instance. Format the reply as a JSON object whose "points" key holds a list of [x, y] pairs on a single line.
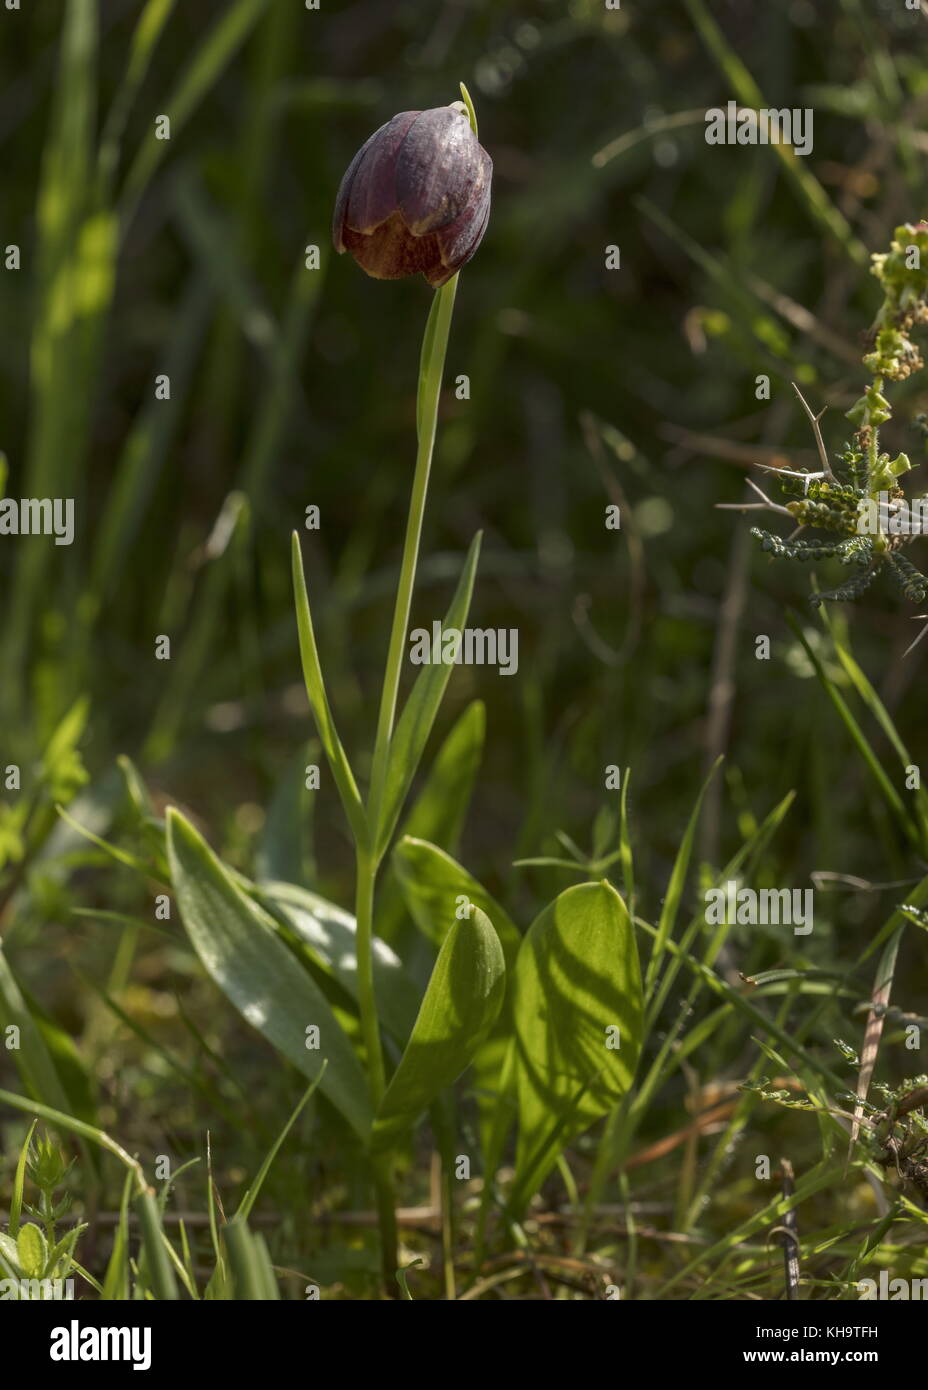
{"points": [[364, 909], [371, 1033], [370, 1030], [431, 366], [370, 851], [386, 1215]]}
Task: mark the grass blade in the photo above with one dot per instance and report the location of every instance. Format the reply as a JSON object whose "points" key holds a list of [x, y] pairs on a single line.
{"points": [[675, 888], [202, 72], [251, 1196], [157, 1263]]}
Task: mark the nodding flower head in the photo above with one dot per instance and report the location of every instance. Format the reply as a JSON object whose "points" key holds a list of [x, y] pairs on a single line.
{"points": [[416, 197]]}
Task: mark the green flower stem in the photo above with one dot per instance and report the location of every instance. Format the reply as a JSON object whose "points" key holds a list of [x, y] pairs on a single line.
{"points": [[431, 366], [370, 852], [366, 873]]}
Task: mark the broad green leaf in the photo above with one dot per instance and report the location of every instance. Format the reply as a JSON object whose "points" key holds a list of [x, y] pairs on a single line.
{"points": [[32, 1250], [578, 1024], [415, 723], [9, 1252], [460, 1007], [432, 883], [240, 949], [330, 933]]}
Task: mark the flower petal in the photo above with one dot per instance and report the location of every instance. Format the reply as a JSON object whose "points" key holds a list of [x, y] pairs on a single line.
{"points": [[391, 252], [371, 198], [440, 168], [458, 242]]}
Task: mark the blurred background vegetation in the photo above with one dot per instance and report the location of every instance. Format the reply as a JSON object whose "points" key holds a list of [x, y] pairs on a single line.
{"points": [[291, 387]]}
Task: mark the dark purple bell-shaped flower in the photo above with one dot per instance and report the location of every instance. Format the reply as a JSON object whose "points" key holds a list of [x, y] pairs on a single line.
{"points": [[415, 197]]}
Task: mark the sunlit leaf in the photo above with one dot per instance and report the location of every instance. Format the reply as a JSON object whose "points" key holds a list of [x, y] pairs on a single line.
{"points": [[578, 1023], [460, 1007], [240, 949]]}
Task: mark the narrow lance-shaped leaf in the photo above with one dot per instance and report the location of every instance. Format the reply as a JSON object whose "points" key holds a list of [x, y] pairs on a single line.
{"points": [[439, 810], [440, 807], [415, 723], [36, 1065], [240, 949], [578, 1023], [160, 1274], [116, 1279], [19, 1182], [319, 703], [250, 1266], [460, 1007]]}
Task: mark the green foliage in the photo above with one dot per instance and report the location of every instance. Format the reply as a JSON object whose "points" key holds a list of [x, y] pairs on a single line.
{"points": [[239, 948], [867, 504], [629, 388], [460, 1006], [578, 1023]]}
